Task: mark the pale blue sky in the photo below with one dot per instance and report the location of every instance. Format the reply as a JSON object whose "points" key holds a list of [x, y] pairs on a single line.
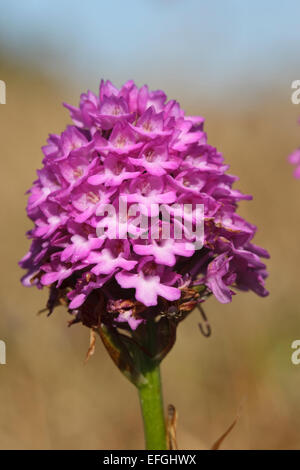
{"points": [[207, 45]]}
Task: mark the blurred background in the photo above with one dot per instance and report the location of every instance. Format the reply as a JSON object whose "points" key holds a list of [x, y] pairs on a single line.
{"points": [[232, 62]]}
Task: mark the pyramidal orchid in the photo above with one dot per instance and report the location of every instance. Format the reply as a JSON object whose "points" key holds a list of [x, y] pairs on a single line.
{"points": [[109, 239], [294, 159]]}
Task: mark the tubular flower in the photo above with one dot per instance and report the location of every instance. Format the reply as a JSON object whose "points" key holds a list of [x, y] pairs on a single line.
{"points": [[132, 146]]}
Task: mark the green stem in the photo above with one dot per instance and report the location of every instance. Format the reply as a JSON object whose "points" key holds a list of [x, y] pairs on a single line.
{"points": [[152, 408], [139, 361], [150, 391]]}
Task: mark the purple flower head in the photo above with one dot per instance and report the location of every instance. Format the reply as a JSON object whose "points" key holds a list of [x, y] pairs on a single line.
{"points": [[294, 159], [133, 145]]}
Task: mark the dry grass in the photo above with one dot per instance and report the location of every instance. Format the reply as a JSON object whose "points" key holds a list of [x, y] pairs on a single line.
{"points": [[50, 399]]}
